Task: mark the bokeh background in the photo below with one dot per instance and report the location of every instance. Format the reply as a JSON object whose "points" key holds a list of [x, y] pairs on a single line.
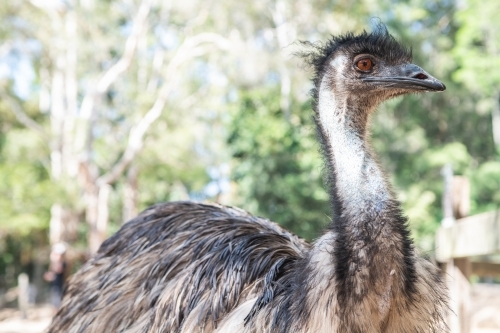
{"points": [[107, 107]]}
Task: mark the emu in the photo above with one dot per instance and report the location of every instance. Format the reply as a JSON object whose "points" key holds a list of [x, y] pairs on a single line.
{"points": [[189, 267]]}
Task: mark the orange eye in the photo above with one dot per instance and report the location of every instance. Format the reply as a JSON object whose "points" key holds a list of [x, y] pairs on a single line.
{"points": [[364, 64]]}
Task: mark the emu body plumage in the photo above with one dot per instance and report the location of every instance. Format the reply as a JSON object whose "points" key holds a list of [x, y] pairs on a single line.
{"points": [[176, 265], [192, 268]]}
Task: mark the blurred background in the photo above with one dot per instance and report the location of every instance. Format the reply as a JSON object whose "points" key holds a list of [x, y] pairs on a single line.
{"points": [[107, 107]]}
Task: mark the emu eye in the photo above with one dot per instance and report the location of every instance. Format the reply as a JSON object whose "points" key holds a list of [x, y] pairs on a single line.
{"points": [[364, 64]]}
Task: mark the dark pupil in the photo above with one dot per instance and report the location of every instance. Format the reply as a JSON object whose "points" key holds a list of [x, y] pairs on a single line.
{"points": [[364, 64]]}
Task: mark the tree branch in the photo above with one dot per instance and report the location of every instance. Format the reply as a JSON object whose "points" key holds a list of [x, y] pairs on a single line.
{"points": [[21, 116], [112, 74], [191, 48]]}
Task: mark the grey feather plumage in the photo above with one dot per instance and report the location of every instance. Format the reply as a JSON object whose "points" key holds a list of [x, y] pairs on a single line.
{"points": [[168, 261]]}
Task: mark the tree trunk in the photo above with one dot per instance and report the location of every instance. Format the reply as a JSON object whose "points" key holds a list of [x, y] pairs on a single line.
{"points": [[103, 212], [495, 115], [56, 223], [283, 29], [130, 195], [63, 225], [56, 120], [97, 214], [91, 202], [63, 99]]}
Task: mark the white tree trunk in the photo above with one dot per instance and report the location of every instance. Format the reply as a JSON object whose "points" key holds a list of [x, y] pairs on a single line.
{"points": [[283, 31], [103, 211], [130, 195], [56, 223], [495, 118], [91, 211], [97, 214], [56, 121]]}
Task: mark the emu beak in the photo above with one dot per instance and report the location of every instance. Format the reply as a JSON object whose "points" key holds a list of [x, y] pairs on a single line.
{"points": [[408, 77]]}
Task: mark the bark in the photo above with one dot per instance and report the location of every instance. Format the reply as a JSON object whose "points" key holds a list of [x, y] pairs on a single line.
{"points": [[91, 212], [56, 121], [63, 224], [283, 29], [495, 118], [97, 214], [130, 195], [102, 212], [56, 223]]}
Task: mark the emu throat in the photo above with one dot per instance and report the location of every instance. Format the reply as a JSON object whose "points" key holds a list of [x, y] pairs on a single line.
{"points": [[359, 183]]}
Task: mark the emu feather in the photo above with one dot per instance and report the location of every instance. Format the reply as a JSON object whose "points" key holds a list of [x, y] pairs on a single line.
{"points": [[190, 268]]}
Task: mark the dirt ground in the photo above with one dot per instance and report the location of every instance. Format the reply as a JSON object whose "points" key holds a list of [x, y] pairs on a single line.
{"points": [[485, 308], [38, 319]]}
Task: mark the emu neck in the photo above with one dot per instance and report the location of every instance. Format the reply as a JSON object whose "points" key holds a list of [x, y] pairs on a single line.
{"points": [[371, 246], [359, 189]]}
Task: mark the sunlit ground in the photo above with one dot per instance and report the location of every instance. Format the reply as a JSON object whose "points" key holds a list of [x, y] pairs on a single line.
{"points": [[37, 321]]}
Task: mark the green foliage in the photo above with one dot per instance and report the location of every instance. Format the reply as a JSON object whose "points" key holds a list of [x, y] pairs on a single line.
{"points": [[18, 253], [478, 46], [25, 187], [485, 187], [276, 163]]}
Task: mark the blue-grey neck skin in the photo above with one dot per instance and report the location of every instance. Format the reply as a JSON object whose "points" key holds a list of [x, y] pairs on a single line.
{"points": [[359, 182], [342, 117], [371, 240]]}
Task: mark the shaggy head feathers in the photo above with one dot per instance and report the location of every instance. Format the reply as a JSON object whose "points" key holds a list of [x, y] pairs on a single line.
{"points": [[378, 43]]}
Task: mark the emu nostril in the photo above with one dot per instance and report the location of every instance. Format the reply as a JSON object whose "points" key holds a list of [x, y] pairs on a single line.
{"points": [[420, 76]]}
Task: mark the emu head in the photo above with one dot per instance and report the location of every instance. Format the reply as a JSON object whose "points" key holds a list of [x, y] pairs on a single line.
{"points": [[368, 68]]}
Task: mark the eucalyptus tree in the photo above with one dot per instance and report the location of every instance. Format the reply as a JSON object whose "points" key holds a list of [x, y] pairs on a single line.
{"points": [[104, 74]]}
